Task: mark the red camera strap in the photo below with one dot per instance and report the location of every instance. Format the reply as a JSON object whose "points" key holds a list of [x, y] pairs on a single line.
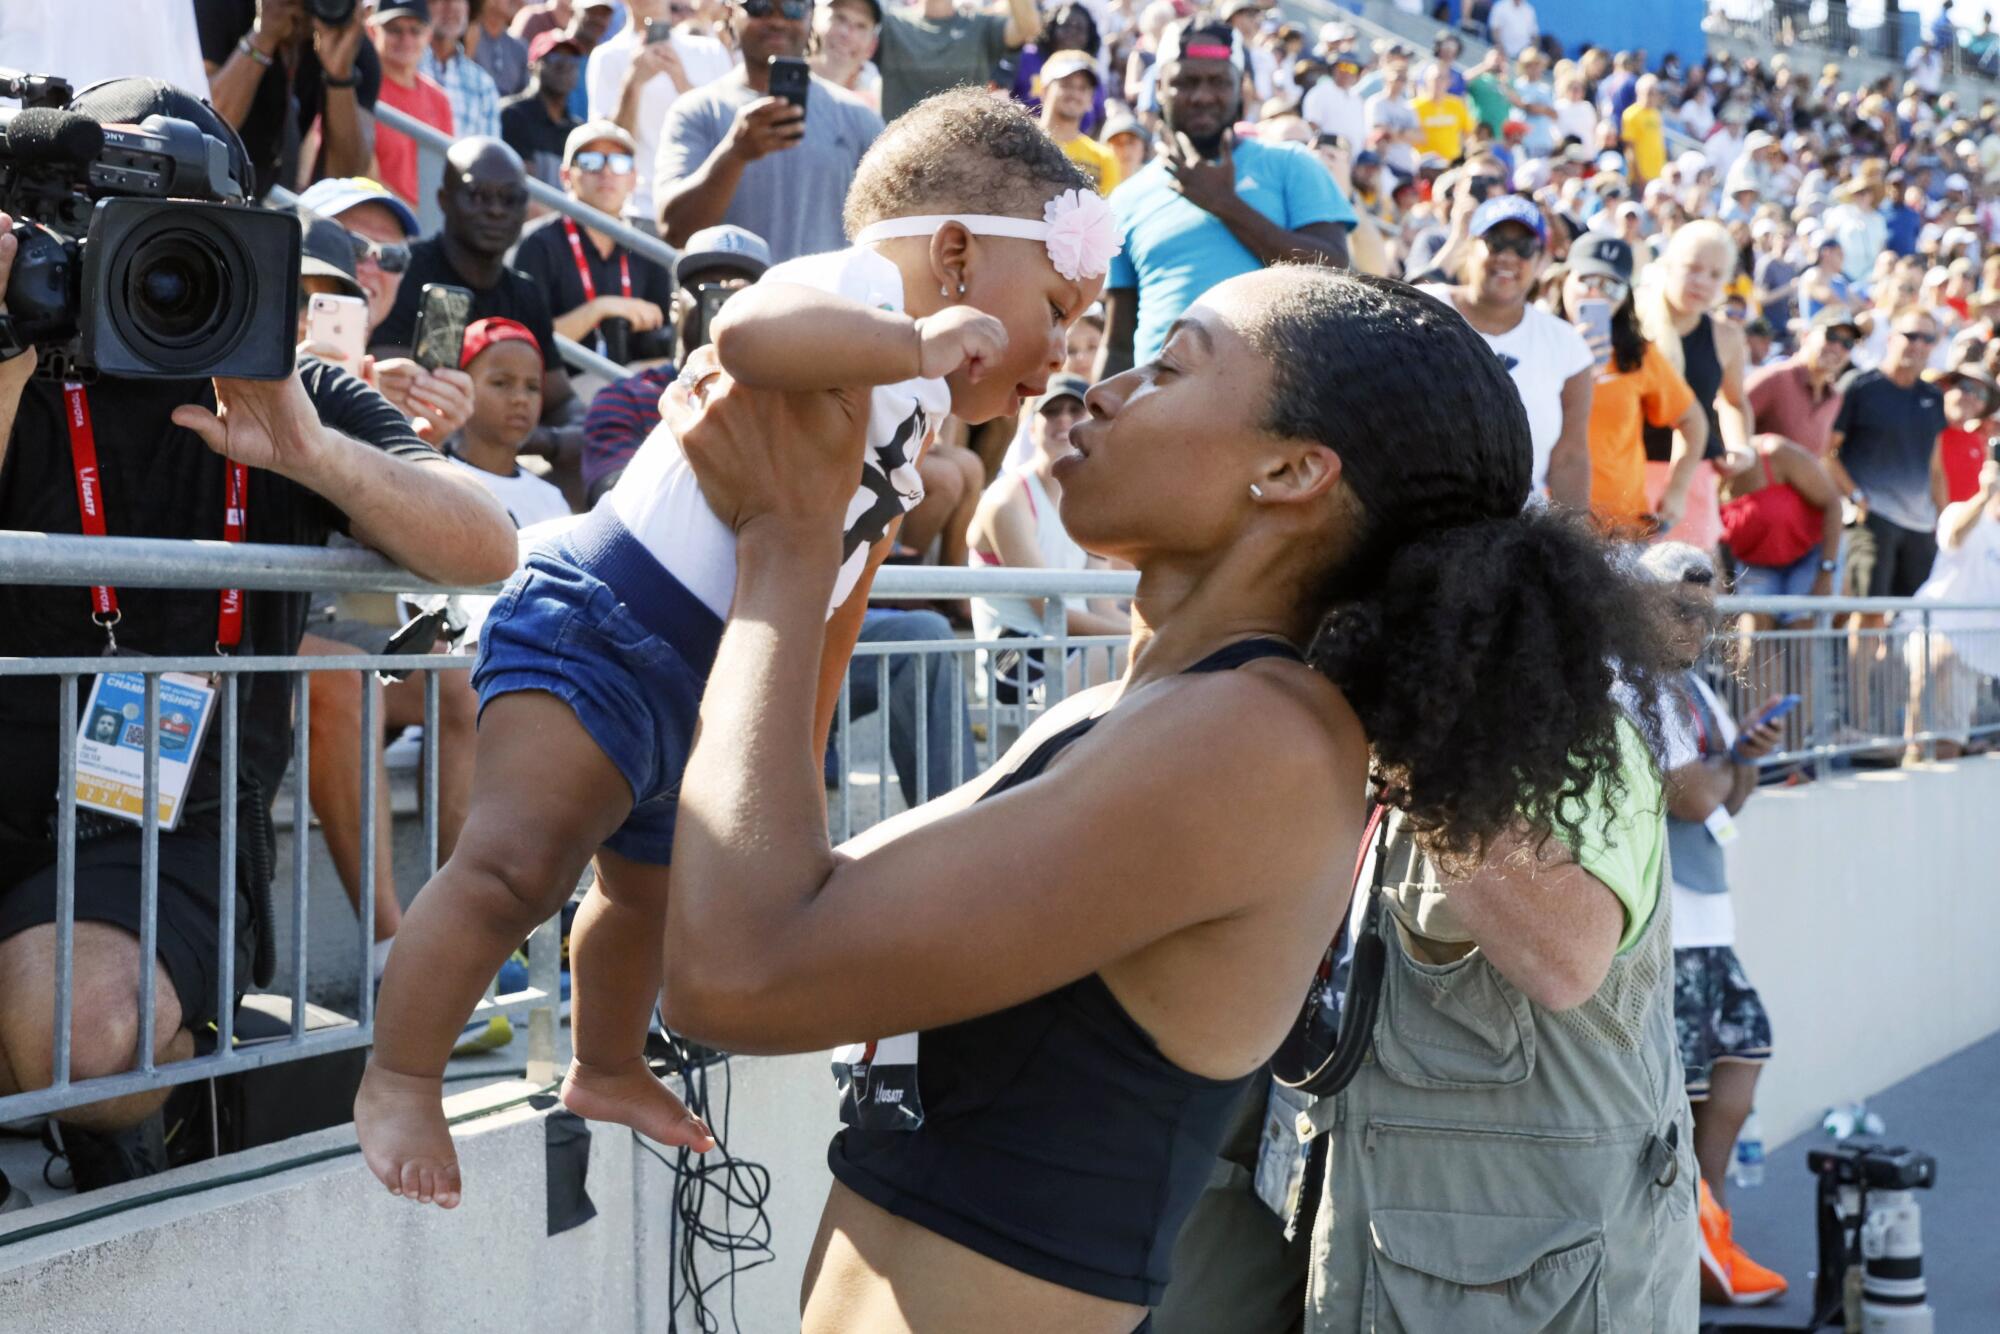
{"points": [[90, 504], [583, 267]]}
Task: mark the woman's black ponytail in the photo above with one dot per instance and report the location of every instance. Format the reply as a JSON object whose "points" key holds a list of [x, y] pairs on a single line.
{"points": [[1478, 640]]}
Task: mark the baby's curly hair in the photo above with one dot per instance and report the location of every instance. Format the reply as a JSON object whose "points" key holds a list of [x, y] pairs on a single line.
{"points": [[963, 151]]}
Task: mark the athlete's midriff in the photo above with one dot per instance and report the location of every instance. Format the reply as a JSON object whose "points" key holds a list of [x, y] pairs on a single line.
{"points": [[870, 1270]]}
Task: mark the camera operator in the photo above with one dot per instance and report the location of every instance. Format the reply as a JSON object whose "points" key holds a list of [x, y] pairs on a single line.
{"points": [[485, 202], [274, 68], [288, 461]]}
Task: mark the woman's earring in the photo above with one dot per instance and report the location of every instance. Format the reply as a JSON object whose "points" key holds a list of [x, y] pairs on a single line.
{"points": [[944, 291], [1256, 491]]}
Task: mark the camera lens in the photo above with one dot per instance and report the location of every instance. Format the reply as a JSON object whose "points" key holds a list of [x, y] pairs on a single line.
{"points": [[178, 289]]}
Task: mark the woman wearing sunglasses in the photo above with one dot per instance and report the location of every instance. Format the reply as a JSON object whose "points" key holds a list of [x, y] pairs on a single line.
{"points": [[1501, 247], [1635, 388]]}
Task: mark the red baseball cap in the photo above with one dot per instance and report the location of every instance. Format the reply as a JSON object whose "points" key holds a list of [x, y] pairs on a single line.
{"points": [[482, 334]]}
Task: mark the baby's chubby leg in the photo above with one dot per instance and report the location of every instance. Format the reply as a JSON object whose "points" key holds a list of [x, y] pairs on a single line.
{"points": [[615, 959], [544, 797]]}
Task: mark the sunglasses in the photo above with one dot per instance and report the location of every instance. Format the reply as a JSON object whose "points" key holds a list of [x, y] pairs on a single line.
{"points": [[1064, 407], [1605, 286], [795, 10], [392, 257], [1525, 247], [619, 164], [1917, 336], [1845, 342]]}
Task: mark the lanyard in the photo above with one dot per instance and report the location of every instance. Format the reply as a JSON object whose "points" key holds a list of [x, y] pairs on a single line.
{"points": [[583, 269], [90, 504], [1689, 696]]}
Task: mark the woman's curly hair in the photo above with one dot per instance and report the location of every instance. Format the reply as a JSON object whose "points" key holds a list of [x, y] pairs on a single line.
{"points": [[1479, 642]]}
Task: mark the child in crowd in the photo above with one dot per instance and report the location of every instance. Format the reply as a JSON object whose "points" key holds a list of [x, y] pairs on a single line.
{"points": [[505, 361], [977, 243]]}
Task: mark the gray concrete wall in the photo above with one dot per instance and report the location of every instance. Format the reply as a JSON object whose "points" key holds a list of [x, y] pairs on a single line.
{"points": [[1867, 908]]}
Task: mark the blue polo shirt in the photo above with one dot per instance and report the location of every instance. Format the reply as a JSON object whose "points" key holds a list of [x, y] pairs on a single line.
{"points": [[1173, 250]]}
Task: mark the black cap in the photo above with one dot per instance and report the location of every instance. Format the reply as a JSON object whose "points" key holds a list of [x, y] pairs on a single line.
{"points": [[1602, 254], [326, 251], [419, 10]]}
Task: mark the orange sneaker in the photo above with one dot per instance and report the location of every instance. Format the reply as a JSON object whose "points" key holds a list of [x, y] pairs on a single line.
{"points": [[1730, 1277]]}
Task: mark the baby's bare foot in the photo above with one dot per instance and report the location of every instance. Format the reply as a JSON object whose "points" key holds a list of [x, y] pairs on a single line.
{"points": [[630, 1095], [404, 1138]]}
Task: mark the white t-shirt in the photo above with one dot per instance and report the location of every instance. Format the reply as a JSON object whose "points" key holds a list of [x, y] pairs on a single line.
{"points": [[1700, 920], [1513, 26], [1336, 110], [85, 41], [1541, 353], [660, 503], [1969, 572], [705, 60], [528, 499], [1577, 119]]}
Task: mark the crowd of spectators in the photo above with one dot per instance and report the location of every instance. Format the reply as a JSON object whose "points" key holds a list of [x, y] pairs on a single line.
{"points": [[1748, 305]]}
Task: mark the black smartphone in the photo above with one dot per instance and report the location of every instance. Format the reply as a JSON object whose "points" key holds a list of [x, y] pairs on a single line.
{"points": [[658, 30], [791, 77], [1484, 188], [442, 312], [710, 296]]}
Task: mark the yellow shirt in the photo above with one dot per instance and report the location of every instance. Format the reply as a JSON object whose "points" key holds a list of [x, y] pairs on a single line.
{"points": [[1097, 161], [1641, 129], [1445, 121]]}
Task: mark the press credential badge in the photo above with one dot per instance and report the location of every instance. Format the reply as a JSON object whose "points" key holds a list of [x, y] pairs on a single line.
{"points": [[111, 743]]}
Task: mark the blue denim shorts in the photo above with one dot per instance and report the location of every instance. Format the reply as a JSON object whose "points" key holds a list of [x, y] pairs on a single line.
{"points": [[593, 619]]}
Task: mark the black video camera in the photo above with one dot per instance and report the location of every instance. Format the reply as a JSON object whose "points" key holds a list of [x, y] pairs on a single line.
{"points": [[134, 259], [1873, 1166]]}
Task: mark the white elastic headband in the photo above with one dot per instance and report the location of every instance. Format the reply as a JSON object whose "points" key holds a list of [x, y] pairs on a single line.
{"points": [[1077, 227]]}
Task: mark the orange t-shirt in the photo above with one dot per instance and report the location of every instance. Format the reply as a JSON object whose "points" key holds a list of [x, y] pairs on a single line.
{"points": [[1620, 404]]}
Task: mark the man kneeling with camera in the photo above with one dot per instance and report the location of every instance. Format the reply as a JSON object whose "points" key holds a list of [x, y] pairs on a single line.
{"points": [[165, 442]]}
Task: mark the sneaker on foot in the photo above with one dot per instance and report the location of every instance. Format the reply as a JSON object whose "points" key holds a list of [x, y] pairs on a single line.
{"points": [[98, 1159], [513, 977], [484, 1035], [1729, 1277]]}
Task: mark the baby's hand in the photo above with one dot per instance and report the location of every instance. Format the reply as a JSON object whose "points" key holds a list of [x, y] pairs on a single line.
{"points": [[959, 336]]}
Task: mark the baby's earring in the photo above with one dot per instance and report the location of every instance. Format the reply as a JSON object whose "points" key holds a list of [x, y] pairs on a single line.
{"points": [[1256, 491], [945, 291]]}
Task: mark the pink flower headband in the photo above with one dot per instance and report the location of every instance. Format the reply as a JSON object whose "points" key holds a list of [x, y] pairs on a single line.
{"points": [[1077, 226]]}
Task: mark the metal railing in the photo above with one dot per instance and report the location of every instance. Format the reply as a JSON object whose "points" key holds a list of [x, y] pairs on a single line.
{"points": [[925, 709], [434, 143]]}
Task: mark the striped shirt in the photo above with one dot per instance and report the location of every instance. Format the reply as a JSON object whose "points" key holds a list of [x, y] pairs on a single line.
{"points": [[621, 416], [475, 100]]}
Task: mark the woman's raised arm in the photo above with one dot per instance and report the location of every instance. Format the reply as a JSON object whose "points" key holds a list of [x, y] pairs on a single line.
{"points": [[1198, 805]]}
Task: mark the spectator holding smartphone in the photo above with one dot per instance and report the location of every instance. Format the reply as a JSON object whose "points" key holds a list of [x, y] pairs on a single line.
{"points": [[635, 77], [1725, 1034], [1634, 387], [732, 153]]}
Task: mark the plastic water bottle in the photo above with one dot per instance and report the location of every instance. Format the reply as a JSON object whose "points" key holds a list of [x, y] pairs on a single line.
{"points": [[1749, 1167]]}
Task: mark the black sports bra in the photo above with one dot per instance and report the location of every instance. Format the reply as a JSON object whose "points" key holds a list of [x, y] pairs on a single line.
{"points": [[1056, 1138]]}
